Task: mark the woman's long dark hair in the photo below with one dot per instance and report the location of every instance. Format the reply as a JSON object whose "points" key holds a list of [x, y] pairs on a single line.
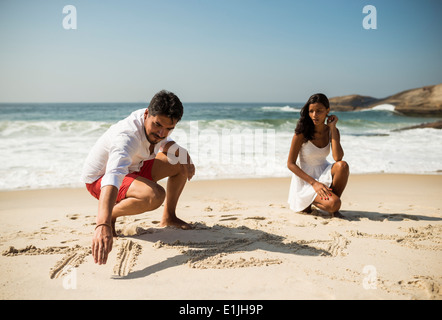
{"points": [[305, 124]]}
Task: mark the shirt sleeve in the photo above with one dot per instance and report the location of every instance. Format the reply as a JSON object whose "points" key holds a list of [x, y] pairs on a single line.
{"points": [[120, 158]]}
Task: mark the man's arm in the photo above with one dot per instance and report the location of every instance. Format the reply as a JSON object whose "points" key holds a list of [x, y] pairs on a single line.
{"points": [[120, 157], [103, 238], [177, 154]]}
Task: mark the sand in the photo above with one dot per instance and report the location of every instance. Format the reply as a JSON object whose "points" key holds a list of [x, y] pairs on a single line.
{"points": [[246, 244]]}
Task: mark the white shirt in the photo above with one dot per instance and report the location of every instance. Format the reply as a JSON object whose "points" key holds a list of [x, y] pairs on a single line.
{"points": [[122, 149]]}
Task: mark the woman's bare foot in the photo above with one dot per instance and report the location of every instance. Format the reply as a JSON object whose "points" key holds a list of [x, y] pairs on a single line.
{"points": [[175, 222], [308, 210], [337, 214]]}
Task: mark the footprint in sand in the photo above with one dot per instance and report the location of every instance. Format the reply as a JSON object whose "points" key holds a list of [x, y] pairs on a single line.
{"points": [[73, 216], [430, 288], [255, 218], [228, 217]]}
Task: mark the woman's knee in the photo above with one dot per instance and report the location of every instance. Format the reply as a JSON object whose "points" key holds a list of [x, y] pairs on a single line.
{"points": [[342, 166], [336, 205], [333, 204]]}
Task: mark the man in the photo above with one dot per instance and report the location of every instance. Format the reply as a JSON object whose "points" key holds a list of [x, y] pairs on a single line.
{"points": [[123, 168]]}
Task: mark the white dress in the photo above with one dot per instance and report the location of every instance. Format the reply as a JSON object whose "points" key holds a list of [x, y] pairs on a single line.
{"points": [[312, 160]]}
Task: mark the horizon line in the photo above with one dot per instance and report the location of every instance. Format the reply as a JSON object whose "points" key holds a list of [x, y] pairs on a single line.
{"points": [[329, 97], [135, 102]]}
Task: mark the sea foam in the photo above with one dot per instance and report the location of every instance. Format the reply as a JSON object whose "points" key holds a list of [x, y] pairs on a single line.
{"points": [[225, 141]]}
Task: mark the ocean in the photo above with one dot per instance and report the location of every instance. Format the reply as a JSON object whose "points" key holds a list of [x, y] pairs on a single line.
{"points": [[43, 145]]}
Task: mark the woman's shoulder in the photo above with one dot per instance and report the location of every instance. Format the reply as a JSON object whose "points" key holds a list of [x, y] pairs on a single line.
{"points": [[299, 138]]}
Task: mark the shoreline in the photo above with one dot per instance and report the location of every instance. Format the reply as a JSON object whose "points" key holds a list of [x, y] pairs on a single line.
{"points": [[432, 173], [246, 244]]}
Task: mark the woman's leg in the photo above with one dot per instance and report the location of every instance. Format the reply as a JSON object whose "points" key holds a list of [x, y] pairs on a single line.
{"points": [[340, 173], [332, 204]]}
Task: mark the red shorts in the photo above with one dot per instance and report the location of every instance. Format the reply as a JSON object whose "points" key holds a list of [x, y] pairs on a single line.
{"points": [[94, 188]]}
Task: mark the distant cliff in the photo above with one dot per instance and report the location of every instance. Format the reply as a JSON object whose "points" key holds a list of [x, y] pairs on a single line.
{"points": [[425, 101]]}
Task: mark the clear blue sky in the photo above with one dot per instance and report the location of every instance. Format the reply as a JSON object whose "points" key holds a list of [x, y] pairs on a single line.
{"points": [[216, 50]]}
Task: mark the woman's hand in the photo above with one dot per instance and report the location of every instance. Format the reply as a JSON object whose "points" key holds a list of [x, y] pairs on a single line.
{"points": [[322, 190], [332, 120]]}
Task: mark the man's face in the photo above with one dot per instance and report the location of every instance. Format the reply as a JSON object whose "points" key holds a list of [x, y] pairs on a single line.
{"points": [[157, 127]]}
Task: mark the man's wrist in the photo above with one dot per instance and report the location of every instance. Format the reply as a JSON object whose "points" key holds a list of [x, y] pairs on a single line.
{"points": [[103, 224]]}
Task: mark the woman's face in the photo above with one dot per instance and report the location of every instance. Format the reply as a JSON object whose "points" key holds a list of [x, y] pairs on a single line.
{"points": [[318, 113]]}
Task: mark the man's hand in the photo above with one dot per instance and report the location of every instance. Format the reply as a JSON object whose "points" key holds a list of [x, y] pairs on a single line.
{"points": [[177, 154], [189, 167], [102, 243]]}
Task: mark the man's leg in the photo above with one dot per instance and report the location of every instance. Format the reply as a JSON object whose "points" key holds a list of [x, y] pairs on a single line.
{"points": [[175, 184], [146, 195], [142, 195]]}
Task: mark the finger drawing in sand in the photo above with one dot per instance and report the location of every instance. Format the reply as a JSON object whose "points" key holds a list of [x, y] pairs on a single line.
{"points": [[127, 161], [315, 180]]}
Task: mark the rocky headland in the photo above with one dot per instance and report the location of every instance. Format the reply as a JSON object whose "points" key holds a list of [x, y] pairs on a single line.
{"points": [[424, 101]]}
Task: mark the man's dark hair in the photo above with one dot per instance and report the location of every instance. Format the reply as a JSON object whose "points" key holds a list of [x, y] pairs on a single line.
{"points": [[167, 104]]}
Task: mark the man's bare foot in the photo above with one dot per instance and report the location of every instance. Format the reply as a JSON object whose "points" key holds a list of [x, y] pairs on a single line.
{"points": [[337, 214], [175, 222]]}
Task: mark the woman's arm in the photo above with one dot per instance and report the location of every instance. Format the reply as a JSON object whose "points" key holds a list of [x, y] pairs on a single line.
{"points": [[337, 151], [297, 141], [321, 189]]}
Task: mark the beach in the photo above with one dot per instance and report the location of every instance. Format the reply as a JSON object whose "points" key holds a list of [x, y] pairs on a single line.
{"points": [[245, 244], [238, 81]]}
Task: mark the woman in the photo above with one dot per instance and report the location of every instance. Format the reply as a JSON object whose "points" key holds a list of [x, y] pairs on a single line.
{"points": [[315, 180]]}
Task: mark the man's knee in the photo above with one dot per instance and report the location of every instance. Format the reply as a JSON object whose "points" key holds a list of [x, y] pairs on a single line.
{"points": [[154, 197], [163, 168], [159, 194]]}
